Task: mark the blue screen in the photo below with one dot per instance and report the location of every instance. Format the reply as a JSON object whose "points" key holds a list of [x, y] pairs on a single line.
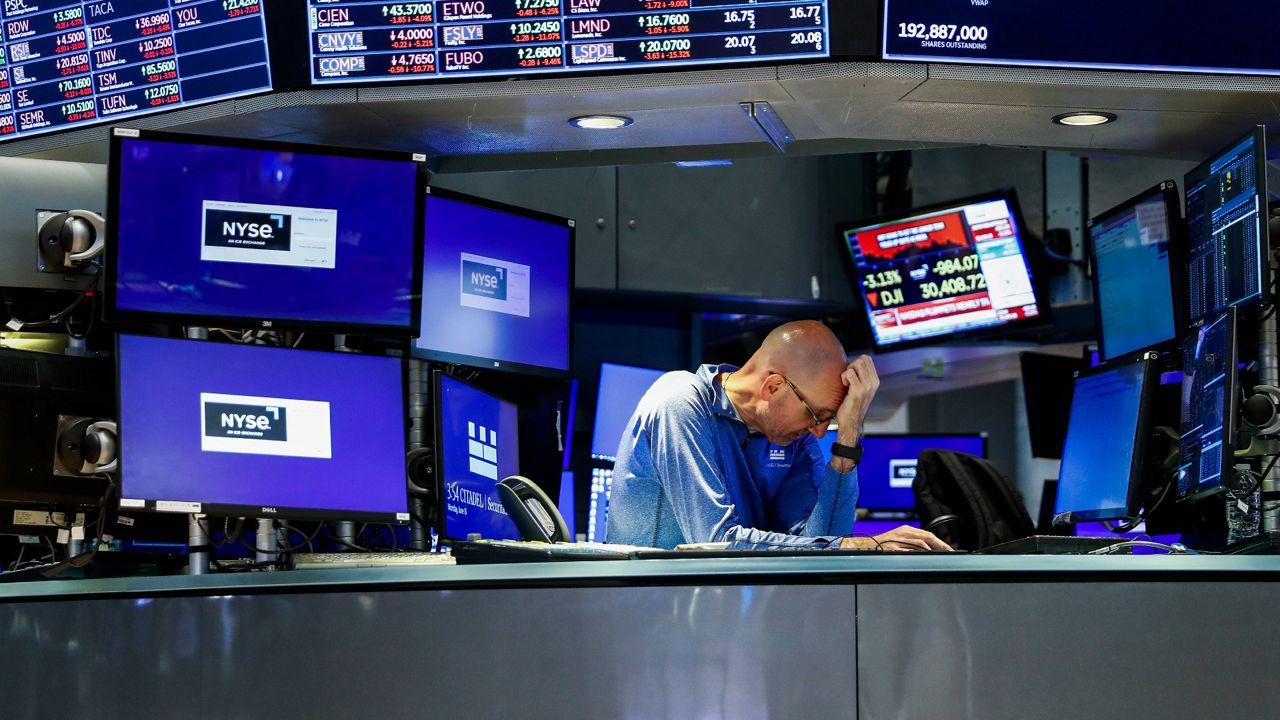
{"points": [[479, 445], [1102, 437], [621, 387], [1135, 294], [889, 464], [1227, 229], [246, 425], [496, 286], [565, 503], [210, 230], [1207, 411]]}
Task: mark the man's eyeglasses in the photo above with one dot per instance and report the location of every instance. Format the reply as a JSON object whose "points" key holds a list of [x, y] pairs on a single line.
{"points": [[816, 420]]}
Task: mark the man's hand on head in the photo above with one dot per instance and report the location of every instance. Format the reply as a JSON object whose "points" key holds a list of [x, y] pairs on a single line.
{"points": [[900, 539], [861, 379]]}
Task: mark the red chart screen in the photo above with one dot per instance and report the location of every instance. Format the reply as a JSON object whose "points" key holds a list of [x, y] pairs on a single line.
{"points": [[943, 272]]}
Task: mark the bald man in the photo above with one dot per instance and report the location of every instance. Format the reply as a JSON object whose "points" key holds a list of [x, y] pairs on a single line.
{"points": [[731, 454]]}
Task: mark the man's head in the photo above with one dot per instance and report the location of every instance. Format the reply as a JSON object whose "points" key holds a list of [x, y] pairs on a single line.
{"points": [[791, 385]]}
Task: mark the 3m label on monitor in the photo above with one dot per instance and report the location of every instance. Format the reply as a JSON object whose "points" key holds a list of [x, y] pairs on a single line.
{"points": [[495, 285], [269, 234], [265, 426]]}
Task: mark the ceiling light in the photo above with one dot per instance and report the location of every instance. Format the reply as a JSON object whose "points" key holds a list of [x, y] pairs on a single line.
{"points": [[1084, 119], [600, 122]]}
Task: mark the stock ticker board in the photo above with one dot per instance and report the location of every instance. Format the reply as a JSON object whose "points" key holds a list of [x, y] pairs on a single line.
{"points": [[68, 64], [358, 42]]}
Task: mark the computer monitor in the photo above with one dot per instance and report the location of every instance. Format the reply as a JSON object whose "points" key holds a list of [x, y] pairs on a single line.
{"points": [[1137, 258], [598, 503], [1227, 245], [33, 190], [954, 268], [618, 394], [477, 445], [1101, 472], [888, 464], [1046, 395], [35, 390], [253, 234], [496, 286], [231, 429], [1206, 447]]}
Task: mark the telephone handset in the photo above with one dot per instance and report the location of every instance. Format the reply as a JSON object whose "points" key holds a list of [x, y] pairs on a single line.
{"points": [[535, 516]]}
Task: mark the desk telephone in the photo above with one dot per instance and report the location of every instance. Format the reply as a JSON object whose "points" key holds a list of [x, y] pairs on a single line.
{"points": [[535, 516]]}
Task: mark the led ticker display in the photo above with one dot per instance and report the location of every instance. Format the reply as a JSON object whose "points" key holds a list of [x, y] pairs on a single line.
{"points": [[939, 272], [1235, 36], [66, 64], [354, 41]]}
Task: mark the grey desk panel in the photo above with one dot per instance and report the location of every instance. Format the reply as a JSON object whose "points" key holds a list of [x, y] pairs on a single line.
{"points": [[621, 652], [1045, 651]]}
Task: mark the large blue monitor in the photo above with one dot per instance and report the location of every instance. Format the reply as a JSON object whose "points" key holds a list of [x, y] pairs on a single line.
{"points": [[888, 464], [497, 286], [620, 390], [1100, 475], [1206, 448], [1134, 264], [1227, 243], [254, 234], [477, 444], [236, 429]]}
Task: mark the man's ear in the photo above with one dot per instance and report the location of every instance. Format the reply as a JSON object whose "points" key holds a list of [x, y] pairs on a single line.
{"points": [[772, 384]]}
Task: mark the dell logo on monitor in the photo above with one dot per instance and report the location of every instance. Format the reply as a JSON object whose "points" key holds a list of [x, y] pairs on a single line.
{"points": [[269, 511]]}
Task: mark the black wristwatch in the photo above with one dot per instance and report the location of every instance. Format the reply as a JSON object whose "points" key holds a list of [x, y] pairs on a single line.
{"points": [[851, 453]]}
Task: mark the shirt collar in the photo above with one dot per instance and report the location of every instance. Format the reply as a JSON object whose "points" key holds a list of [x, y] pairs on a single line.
{"points": [[719, 398]]}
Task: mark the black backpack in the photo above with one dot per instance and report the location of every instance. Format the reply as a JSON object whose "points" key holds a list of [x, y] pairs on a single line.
{"points": [[967, 502]]}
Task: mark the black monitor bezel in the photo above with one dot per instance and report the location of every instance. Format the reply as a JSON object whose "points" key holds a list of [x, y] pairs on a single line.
{"points": [[437, 419], [489, 363], [1035, 271], [1231, 316], [1201, 172], [232, 510], [1168, 191], [113, 314], [1133, 501]]}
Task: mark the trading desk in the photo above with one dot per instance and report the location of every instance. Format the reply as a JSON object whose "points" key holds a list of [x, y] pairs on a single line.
{"points": [[894, 636]]}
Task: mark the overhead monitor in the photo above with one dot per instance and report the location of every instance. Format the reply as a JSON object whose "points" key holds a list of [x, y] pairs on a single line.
{"points": [[938, 272], [1101, 471], [231, 429], [1137, 262], [1232, 36], [477, 445], [254, 234], [617, 396], [33, 191], [1206, 449], [67, 64], [888, 464], [497, 286], [36, 391], [373, 42], [1227, 246]]}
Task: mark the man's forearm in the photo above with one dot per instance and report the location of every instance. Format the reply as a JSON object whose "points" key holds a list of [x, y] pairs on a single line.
{"points": [[849, 437]]}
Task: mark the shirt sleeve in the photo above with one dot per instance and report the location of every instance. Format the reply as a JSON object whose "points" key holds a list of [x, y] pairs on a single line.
{"points": [[814, 500], [684, 457]]}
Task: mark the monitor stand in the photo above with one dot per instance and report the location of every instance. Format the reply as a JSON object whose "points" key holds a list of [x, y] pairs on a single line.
{"points": [[418, 537], [265, 542], [198, 537], [344, 531]]}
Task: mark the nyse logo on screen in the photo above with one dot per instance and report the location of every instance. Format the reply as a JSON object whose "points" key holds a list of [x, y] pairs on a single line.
{"points": [[258, 422], [246, 229], [902, 473], [484, 280]]}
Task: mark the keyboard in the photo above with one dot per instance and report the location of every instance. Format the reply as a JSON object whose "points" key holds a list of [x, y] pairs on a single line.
{"points": [[327, 561], [1051, 545], [514, 551]]}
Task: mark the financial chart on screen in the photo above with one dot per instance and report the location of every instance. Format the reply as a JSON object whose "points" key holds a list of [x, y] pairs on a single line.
{"points": [[354, 41], [70, 64]]}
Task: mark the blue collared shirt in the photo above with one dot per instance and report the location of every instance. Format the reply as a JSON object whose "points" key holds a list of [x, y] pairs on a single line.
{"points": [[689, 471]]}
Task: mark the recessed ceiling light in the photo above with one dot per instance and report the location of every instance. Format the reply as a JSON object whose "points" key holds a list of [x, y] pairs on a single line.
{"points": [[600, 122], [1084, 119]]}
